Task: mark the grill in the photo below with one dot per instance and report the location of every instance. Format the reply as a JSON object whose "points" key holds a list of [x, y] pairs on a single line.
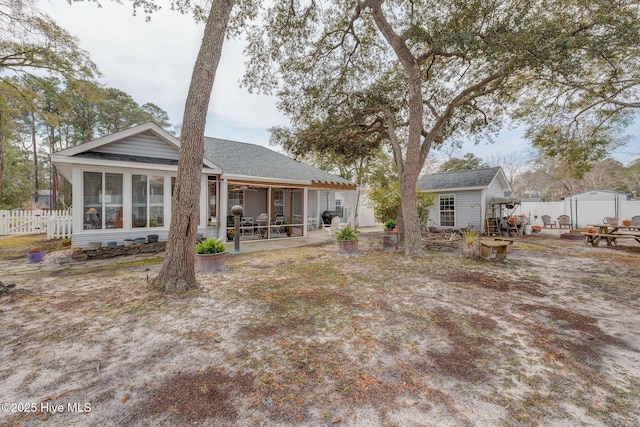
{"points": [[327, 216]]}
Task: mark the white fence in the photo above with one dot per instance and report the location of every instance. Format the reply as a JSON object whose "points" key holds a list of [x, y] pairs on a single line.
{"points": [[56, 224], [581, 212]]}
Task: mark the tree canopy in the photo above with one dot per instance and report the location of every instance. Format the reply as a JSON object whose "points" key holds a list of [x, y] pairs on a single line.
{"points": [[415, 74]]}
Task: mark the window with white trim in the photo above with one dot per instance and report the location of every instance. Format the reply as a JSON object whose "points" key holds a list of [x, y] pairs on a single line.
{"points": [[447, 211]]}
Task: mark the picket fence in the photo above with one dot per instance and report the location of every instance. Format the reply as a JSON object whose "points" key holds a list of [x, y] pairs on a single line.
{"points": [[56, 224]]}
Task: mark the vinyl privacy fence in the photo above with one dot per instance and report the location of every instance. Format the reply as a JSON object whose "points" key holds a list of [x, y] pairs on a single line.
{"points": [[56, 224]]}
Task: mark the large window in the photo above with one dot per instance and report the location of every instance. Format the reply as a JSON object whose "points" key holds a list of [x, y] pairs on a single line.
{"points": [[447, 211], [156, 201], [139, 199], [147, 195], [102, 197]]}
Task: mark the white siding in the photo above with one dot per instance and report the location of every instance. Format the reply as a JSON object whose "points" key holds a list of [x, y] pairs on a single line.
{"points": [[146, 145]]}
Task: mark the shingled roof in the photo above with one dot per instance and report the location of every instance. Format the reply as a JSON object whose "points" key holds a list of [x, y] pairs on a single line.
{"points": [[468, 179], [239, 158]]}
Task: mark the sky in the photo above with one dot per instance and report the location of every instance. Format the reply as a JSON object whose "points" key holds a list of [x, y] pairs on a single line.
{"points": [[152, 62]]}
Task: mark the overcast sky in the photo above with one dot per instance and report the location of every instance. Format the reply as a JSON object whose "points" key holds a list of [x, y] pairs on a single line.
{"points": [[152, 62]]}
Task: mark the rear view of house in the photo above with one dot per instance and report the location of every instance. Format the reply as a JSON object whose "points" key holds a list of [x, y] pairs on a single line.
{"points": [[123, 185]]}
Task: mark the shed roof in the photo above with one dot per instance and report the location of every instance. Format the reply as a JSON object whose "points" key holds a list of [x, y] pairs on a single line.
{"points": [[467, 179]]}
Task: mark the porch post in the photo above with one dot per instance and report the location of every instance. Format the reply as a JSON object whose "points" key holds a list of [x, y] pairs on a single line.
{"points": [[222, 212], [305, 210]]}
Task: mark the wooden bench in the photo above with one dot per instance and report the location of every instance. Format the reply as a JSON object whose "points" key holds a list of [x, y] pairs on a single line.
{"points": [[594, 238], [488, 246]]}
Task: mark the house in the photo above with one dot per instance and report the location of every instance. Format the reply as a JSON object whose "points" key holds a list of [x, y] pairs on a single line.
{"points": [[123, 185], [466, 198]]}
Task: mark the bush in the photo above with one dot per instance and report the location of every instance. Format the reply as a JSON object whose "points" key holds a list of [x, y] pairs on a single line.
{"points": [[390, 224], [346, 233], [210, 246], [386, 203]]}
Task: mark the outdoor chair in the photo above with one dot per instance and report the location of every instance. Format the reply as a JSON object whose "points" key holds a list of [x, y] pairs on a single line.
{"points": [[334, 227], [546, 219], [564, 221], [247, 225], [635, 221], [277, 224]]}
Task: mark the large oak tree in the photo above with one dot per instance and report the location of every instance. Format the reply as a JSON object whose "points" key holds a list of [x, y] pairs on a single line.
{"points": [[423, 72]]}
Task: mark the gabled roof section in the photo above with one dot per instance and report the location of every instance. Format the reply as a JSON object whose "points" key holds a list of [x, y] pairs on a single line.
{"points": [[462, 180], [250, 160], [120, 146], [97, 143]]}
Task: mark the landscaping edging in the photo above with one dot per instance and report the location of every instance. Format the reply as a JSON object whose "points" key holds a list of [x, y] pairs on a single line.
{"points": [[107, 252]]}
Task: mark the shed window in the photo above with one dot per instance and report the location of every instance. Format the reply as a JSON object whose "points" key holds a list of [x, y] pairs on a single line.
{"points": [[447, 211]]}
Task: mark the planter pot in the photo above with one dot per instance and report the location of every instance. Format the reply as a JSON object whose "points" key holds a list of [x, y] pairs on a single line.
{"points": [[208, 263], [348, 246], [611, 220], [112, 244], [128, 242], [35, 256], [527, 229], [153, 238], [94, 245], [469, 250], [389, 242], [626, 222]]}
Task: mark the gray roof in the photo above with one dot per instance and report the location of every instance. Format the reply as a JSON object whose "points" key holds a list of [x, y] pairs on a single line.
{"points": [[477, 178], [239, 158]]}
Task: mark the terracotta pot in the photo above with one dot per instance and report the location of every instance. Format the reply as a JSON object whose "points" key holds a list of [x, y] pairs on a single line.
{"points": [[591, 230], [348, 246], [626, 222], [208, 263]]}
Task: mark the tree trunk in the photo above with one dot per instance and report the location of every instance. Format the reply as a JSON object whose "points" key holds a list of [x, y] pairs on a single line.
{"points": [[178, 269], [413, 164], [36, 180], [1, 147]]}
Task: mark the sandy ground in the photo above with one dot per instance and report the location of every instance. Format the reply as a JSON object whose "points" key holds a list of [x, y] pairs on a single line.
{"points": [[309, 337]]}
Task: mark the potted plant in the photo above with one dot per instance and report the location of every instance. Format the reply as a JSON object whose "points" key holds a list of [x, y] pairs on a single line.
{"points": [[211, 255], [470, 244], [626, 222], [347, 240], [389, 226]]}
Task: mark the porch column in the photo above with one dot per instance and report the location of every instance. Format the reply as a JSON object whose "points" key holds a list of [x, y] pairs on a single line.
{"points": [[222, 212], [305, 212]]}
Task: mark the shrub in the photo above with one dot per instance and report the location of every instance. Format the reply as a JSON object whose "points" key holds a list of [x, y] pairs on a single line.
{"points": [[390, 224], [346, 233], [470, 236], [210, 246]]}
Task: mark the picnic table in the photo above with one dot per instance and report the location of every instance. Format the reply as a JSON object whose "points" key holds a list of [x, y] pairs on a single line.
{"points": [[610, 233]]}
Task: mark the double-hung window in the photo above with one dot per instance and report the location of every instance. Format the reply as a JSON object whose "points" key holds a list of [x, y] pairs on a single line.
{"points": [[447, 211]]}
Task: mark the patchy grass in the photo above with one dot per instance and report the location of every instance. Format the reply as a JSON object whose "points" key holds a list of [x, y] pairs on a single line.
{"points": [[310, 337]]}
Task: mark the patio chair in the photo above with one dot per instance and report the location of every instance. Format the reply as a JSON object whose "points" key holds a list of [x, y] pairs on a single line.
{"points": [[246, 224], [334, 227], [546, 219], [635, 221], [278, 225], [564, 221]]}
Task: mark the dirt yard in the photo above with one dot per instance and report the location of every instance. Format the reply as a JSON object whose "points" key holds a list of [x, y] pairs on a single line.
{"points": [[309, 337]]}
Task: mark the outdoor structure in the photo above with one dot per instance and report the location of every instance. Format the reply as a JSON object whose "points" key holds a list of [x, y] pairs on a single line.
{"points": [[466, 198], [123, 185], [589, 207]]}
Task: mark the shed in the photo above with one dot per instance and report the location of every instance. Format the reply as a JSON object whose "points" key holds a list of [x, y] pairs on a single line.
{"points": [[464, 198]]}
